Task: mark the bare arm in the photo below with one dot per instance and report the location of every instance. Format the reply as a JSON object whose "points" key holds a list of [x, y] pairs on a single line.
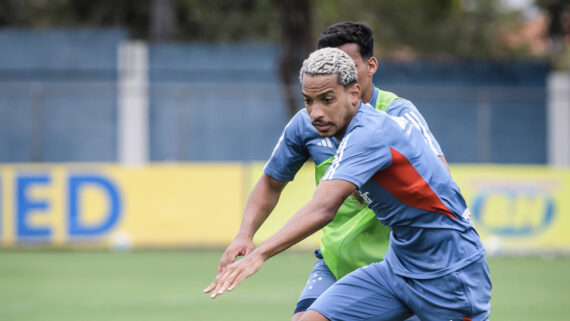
{"points": [[310, 218], [261, 202]]}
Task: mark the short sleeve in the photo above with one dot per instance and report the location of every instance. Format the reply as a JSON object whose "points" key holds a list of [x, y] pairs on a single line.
{"points": [[359, 156], [405, 108], [289, 153]]}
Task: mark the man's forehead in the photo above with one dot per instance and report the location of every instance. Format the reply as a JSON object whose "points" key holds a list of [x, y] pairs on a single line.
{"points": [[320, 82]]}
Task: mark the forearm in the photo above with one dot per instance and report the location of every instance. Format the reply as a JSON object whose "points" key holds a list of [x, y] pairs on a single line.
{"points": [[307, 221], [316, 214], [255, 213], [261, 202]]}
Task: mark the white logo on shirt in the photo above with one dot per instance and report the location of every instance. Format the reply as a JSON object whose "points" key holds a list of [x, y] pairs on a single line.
{"points": [[467, 215], [325, 142]]}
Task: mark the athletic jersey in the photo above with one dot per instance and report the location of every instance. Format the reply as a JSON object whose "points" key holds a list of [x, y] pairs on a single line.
{"points": [[355, 237], [300, 140], [410, 190]]}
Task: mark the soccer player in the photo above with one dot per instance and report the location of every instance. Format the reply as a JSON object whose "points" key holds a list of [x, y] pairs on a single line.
{"points": [[435, 266], [355, 237]]}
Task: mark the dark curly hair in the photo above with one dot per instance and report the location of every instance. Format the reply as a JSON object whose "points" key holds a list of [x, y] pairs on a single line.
{"points": [[348, 32]]}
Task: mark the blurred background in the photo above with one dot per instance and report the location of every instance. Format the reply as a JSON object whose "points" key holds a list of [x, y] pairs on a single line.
{"points": [[145, 124]]}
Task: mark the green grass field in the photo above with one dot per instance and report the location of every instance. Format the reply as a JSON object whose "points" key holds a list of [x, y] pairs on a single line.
{"points": [[167, 285]]}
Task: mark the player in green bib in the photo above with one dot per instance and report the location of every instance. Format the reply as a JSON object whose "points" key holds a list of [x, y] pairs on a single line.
{"points": [[355, 238]]}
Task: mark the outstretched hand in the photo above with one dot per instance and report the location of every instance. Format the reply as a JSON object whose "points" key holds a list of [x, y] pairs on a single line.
{"points": [[234, 274], [239, 247]]}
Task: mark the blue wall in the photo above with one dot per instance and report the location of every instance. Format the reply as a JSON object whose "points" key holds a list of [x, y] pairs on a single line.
{"points": [[451, 95], [224, 102], [214, 102], [235, 89], [484, 124], [58, 95]]}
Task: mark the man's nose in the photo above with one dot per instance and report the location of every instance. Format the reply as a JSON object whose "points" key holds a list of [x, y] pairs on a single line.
{"points": [[316, 112]]}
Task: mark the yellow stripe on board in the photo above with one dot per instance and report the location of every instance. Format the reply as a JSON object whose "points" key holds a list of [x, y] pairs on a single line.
{"points": [[514, 208]]}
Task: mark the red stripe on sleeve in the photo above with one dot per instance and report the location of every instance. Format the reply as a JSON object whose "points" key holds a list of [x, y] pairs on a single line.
{"points": [[403, 181]]}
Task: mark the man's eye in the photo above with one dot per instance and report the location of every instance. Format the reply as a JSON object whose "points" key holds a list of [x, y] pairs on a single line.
{"points": [[307, 101], [328, 100]]}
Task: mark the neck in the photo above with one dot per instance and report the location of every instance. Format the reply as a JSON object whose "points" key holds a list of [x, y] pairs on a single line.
{"points": [[367, 94], [350, 117]]}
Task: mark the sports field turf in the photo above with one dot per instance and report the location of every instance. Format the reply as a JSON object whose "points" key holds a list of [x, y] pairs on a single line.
{"points": [[167, 285]]}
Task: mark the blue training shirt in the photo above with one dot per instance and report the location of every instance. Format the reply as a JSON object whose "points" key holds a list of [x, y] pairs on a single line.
{"points": [[410, 190], [300, 140]]}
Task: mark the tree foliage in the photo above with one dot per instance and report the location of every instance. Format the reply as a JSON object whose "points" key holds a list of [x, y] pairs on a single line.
{"points": [[559, 31], [420, 28], [194, 20], [435, 28]]}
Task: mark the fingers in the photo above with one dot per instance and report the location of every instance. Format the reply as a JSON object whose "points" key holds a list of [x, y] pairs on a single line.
{"points": [[233, 275], [227, 258], [240, 277], [248, 250], [237, 248], [210, 287], [225, 284], [226, 281]]}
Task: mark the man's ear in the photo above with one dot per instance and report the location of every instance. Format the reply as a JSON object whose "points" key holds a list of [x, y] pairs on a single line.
{"points": [[372, 65], [355, 91]]}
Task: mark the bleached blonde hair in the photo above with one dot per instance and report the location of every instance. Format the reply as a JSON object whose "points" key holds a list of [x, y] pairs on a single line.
{"points": [[330, 61]]}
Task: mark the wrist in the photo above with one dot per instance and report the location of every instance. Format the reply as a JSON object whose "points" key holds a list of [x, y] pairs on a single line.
{"points": [[244, 236], [262, 253]]}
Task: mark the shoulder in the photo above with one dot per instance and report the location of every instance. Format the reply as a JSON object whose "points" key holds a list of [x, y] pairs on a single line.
{"points": [[383, 98], [367, 114], [400, 106], [299, 125], [369, 125], [393, 104], [301, 118]]}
